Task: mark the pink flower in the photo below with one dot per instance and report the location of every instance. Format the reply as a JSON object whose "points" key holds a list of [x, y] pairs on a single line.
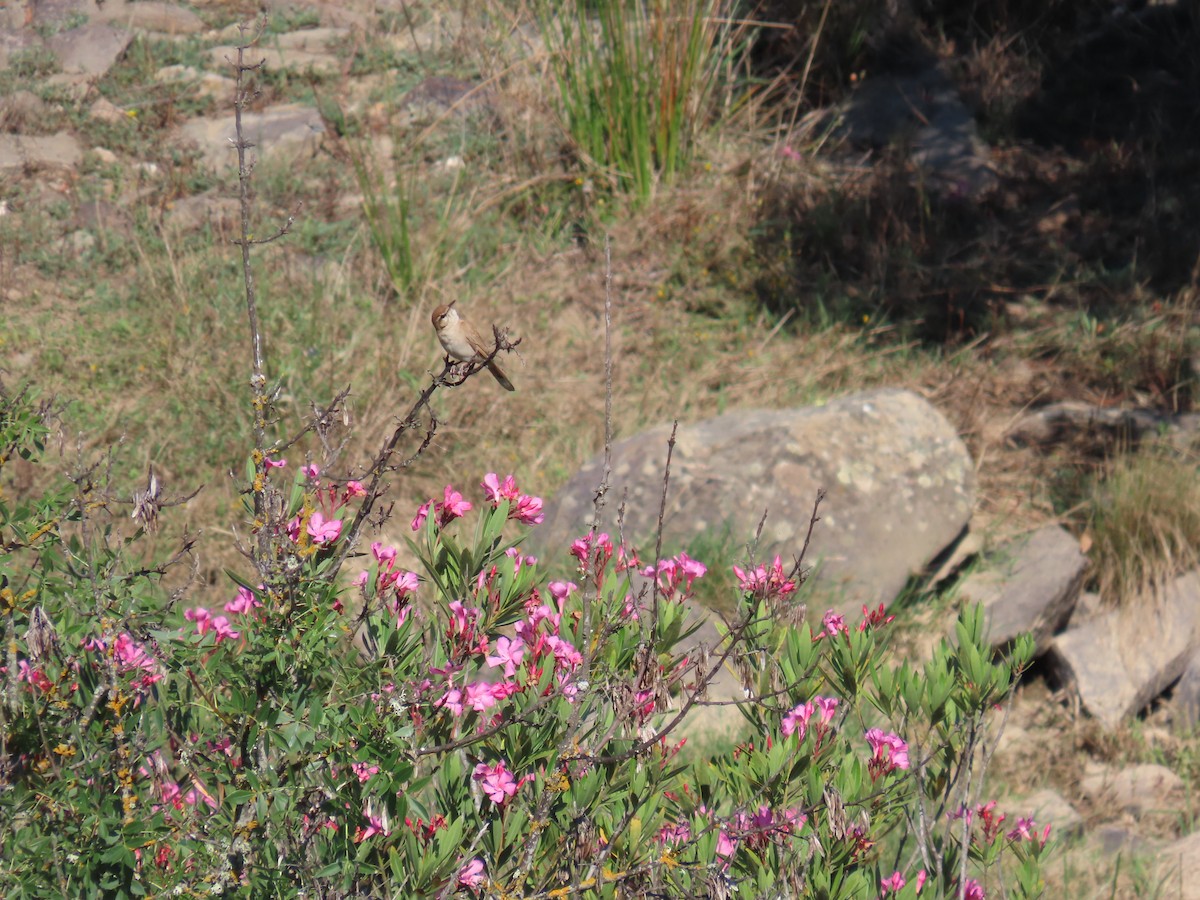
{"points": [[874, 618], [355, 489], [495, 491], [383, 555], [565, 654], [406, 583], [220, 625], [374, 826], [834, 623], [672, 573], [497, 782], [766, 582], [674, 834], [310, 471], [201, 616], [889, 752], [452, 507], [452, 700], [197, 795], [274, 463], [797, 720], [1023, 831], [892, 883], [921, 876], [561, 590], [471, 875], [131, 654], [322, 531], [363, 771], [973, 890], [34, 676], [508, 654], [827, 707], [479, 696], [581, 548], [528, 510], [422, 512], [243, 603], [725, 845]]}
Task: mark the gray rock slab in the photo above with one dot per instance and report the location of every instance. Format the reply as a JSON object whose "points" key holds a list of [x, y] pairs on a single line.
{"points": [[952, 156], [276, 58], [151, 15], [284, 131], [1121, 660], [14, 43], [221, 214], [1029, 585], [899, 482], [1179, 869], [90, 49], [1137, 790], [19, 152]]}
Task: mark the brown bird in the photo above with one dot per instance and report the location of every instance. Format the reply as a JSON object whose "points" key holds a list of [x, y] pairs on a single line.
{"points": [[460, 339]]}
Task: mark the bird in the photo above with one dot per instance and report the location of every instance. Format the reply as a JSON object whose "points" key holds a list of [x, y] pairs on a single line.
{"points": [[461, 340]]}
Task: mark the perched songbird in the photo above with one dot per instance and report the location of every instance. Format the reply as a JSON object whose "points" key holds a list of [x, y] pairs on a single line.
{"points": [[460, 339]]}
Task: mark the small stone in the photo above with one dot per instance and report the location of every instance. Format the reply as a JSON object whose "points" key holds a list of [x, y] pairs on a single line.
{"points": [[104, 111], [104, 156], [1179, 868], [170, 74]]}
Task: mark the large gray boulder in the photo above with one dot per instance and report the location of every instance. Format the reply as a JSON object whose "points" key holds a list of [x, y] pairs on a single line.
{"points": [[899, 485]]}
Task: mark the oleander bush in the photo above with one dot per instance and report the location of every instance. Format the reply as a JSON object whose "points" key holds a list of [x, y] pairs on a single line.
{"points": [[467, 729]]}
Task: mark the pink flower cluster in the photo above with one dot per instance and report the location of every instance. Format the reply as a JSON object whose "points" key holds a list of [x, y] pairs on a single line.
{"points": [[170, 794], [130, 656], [991, 824], [593, 552], [888, 753], [498, 782], [757, 830], [796, 721], [769, 583], [244, 603], [393, 586], [1026, 830], [322, 527], [32, 675], [675, 572], [522, 507], [452, 506], [471, 876], [206, 622], [894, 882]]}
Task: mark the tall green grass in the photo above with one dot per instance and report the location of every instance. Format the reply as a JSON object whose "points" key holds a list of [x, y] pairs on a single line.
{"points": [[637, 79]]}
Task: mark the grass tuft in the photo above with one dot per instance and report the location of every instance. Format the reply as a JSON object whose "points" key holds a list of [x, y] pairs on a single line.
{"points": [[1145, 523]]}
